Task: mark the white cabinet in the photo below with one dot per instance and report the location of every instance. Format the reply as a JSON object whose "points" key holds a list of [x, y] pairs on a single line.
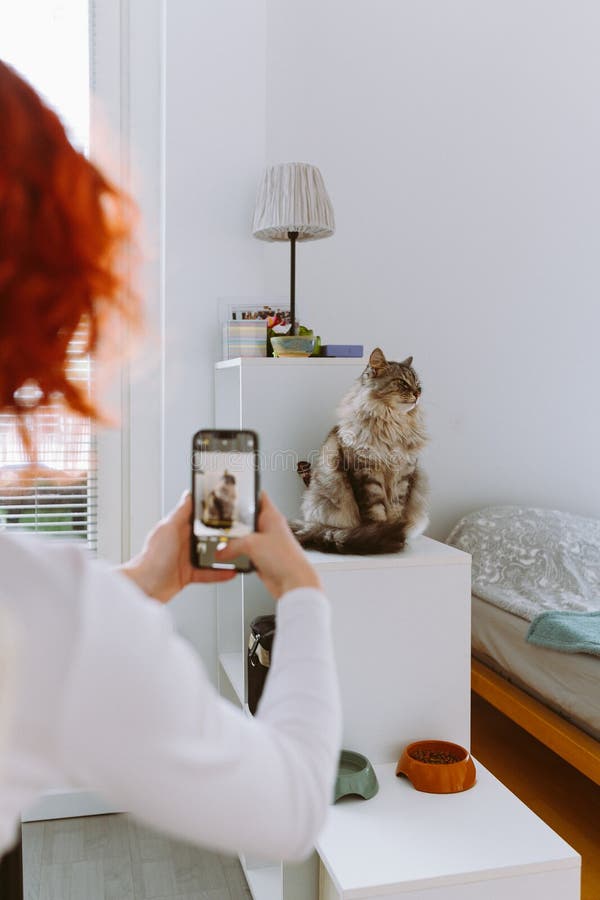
{"points": [[392, 616], [401, 629], [401, 626]]}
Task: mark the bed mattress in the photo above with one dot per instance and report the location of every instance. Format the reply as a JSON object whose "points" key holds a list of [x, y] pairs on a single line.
{"points": [[569, 683]]}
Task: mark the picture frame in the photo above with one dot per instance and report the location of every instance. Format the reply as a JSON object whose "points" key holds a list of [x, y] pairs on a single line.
{"points": [[242, 308]]}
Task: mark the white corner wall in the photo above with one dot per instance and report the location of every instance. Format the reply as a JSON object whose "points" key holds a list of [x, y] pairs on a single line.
{"points": [[213, 154], [460, 144]]}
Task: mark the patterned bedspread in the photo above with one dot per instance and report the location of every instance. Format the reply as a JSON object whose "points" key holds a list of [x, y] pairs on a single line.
{"points": [[529, 560]]}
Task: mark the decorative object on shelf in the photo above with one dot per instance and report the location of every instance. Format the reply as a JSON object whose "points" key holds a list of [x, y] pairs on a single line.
{"points": [[288, 344], [292, 205], [244, 320], [343, 351], [292, 345], [279, 324], [303, 469], [273, 312], [437, 767], [317, 347], [370, 493], [260, 644], [244, 338], [275, 318], [355, 776]]}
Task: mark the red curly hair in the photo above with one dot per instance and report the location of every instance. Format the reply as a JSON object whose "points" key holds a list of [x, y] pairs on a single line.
{"points": [[63, 227]]}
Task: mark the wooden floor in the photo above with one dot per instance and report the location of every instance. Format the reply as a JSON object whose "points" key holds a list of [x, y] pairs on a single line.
{"points": [[113, 858], [566, 800]]}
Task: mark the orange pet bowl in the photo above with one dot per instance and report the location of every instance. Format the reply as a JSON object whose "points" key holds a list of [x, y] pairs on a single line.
{"points": [[437, 767]]}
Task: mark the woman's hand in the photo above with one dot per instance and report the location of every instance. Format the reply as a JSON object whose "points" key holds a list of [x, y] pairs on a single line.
{"points": [[279, 559], [163, 567]]}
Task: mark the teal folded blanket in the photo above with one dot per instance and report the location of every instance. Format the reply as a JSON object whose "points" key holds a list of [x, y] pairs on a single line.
{"points": [[571, 632]]}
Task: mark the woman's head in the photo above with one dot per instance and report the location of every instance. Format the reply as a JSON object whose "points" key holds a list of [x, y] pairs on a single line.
{"points": [[63, 227]]}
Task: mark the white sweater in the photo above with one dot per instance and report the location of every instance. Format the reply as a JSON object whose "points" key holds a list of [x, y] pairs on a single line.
{"points": [[97, 689]]}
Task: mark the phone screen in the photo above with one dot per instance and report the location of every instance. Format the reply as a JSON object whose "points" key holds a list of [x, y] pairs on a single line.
{"points": [[225, 494]]}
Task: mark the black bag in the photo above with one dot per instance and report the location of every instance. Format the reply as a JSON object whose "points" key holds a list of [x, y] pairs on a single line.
{"points": [[260, 644]]}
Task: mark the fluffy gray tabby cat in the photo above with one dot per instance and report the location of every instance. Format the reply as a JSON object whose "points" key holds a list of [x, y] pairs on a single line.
{"points": [[366, 492]]}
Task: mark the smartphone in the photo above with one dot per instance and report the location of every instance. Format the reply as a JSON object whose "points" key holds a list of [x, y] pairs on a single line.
{"points": [[225, 494]]}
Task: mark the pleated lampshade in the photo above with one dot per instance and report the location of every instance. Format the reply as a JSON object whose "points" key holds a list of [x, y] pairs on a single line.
{"points": [[292, 197]]}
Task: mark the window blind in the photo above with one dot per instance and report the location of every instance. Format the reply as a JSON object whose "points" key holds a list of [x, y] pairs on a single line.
{"points": [[58, 496]]}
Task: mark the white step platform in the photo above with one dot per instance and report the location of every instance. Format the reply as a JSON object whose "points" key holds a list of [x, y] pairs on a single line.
{"points": [[481, 844]]}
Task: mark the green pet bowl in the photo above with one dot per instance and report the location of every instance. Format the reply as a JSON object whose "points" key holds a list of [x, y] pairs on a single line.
{"points": [[355, 776]]}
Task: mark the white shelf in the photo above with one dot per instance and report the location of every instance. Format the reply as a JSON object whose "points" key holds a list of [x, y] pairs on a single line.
{"points": [[265, 883], [405, 840], [233, 666], [423, 551], [245, 362]]}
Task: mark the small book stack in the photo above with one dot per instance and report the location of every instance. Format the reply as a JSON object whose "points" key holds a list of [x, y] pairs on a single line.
{"points": [[349, 351]]}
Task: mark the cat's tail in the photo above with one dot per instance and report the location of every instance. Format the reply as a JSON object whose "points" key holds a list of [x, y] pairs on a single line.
{"points": [[374, 537]]}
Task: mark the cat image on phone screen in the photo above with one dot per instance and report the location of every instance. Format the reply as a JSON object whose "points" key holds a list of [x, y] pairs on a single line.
{"points": [[219, 506]]}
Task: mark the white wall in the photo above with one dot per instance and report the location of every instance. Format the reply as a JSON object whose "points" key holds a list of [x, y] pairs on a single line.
{"points": [[214, 149], [185, 92], [460, 145], [459, 142]]}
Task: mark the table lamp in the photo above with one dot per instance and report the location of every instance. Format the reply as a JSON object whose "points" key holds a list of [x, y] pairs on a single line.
{"points": [[292, 205]]}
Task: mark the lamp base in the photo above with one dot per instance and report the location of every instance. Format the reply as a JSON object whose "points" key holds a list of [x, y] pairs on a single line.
{"points": [[293, 236]]}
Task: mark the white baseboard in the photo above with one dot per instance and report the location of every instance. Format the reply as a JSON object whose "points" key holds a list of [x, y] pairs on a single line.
{"points": [[67, 803]]}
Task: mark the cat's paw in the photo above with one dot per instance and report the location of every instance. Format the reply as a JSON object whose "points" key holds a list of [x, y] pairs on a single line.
{"points": [[297, 528], [417, 527]]}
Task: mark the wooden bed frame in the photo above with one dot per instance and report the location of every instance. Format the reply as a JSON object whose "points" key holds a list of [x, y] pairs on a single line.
{"points": [[575, 746]]}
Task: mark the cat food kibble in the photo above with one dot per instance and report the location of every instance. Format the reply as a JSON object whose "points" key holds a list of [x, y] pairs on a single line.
{"points": [[437, 757]]}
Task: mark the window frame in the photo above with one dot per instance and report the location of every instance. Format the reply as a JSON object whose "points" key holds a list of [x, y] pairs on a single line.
{"points": [[126, 121], [107, 85]]}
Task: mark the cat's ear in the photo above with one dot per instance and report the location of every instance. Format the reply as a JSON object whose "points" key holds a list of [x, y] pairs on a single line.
{"points": [[407, 361], [377, 360]]}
